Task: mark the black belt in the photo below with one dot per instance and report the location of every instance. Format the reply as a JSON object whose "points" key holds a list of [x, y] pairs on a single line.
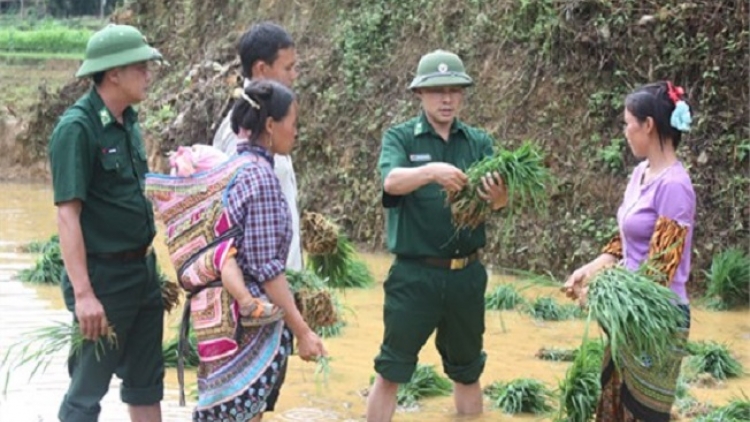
{"points": [[130, 255], [447, 263]]}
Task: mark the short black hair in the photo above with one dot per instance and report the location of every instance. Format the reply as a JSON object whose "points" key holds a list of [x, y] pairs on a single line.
{"points": [[652, 100], [98, 78], [262, 42], [262, 99]]}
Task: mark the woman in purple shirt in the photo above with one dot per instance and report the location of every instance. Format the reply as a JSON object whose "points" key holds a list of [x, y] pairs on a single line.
{"points": [[240, 387], [655, 220]]}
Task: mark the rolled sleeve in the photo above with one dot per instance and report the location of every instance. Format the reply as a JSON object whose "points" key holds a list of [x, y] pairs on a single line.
{"points": [[71, 156], [256, 202], [392, 155]]}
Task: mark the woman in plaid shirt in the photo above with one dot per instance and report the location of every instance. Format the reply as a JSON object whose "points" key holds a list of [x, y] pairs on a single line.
{"points": [[242, 386]]}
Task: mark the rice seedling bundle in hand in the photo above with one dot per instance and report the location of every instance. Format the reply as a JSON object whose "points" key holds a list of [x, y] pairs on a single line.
{"points": [[525, 178], [637, 314], [40, 346], [319, 235], [317, 304], [522, 395]]}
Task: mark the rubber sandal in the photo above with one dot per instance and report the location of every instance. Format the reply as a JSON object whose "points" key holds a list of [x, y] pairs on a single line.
{"points": [[260, 313]]}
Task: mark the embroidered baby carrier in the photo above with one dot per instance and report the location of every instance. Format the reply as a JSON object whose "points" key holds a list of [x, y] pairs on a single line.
{"points": [[200, 237]]}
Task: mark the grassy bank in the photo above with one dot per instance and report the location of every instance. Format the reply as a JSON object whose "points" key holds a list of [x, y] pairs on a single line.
{"points": [[48, 36]]}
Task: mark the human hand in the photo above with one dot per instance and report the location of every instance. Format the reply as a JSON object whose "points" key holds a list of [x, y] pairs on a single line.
{"points": [[493, 191], [575, 283], [91, 317], [448, 176], [310, 347]]}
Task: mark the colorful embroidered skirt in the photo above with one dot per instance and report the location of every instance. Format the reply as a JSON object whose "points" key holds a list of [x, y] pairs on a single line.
{"points": [[638, 391]]}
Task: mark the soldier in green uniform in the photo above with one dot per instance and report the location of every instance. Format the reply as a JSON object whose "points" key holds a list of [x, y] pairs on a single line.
{"points": [[106, 226], [436, 281]]}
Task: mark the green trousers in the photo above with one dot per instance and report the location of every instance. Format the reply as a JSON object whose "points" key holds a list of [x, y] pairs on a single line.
{"points": [[420, 299], [131, 297]]}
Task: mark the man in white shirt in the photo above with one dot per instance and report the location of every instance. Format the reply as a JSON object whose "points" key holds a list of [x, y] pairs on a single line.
{"points": [[267, 52]]}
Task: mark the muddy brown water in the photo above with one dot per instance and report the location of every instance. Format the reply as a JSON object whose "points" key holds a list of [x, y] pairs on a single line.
{"points": [[511, 340]]}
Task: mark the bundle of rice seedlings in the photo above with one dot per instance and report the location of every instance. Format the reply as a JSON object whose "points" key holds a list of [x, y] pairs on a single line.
{"points": [[170, 292], [170, 351], [524, 175], [341, 268], [40, 346], [556, 355], [319, 306], [319, 235], [636, 313], [686, 405], [322, 369], [425, 382], [523, 395], [712, 358], [737, 410], [504, 297], [39, 246], [580, 389], [547, 309], [729, 280], [48, 267]]}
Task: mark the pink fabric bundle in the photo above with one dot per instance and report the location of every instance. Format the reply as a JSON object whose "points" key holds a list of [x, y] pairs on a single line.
{"points": [[197, 158]]}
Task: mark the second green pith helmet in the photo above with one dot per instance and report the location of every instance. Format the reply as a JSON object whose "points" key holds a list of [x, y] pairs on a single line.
{"points": [[440, 68], [115, 46]]}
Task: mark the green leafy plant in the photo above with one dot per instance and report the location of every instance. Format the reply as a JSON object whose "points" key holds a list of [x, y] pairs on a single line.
{"points": [[728, 279], [548, 309], [524, 174], [39, 347], [521, 395], [504, 297], [637, 313], [580, 389], [712, 358]]}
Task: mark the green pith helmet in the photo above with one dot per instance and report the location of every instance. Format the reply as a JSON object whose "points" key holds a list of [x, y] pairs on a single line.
{"points": [[440, 68], [115, 46]]}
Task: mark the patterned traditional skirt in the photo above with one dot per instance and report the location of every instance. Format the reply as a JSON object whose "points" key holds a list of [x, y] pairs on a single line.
{"points": [[638, 391], [237, 388]]}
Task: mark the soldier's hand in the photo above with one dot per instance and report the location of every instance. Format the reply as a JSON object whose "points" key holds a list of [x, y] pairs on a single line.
{"points": [[91, 317], [448, 176]]}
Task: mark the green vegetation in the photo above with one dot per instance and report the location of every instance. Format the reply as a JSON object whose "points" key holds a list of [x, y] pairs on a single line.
{"points": [[425, 382], [728, 280], [40, 346], [579, 390], [48, 37], [637, 314], [548, 309], [524, 175], [521, 395], [712, 358], [48, 267], [504, 297]]}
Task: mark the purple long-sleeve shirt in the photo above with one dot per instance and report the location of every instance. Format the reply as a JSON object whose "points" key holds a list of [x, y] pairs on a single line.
{"points": [[256, 203], [670, 195]]}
